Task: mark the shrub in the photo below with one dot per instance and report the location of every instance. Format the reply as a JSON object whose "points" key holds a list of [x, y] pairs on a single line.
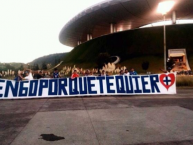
{"points": [[184, 81]]}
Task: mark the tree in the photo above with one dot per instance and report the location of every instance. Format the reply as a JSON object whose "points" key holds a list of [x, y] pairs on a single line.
{"points": [[36, 67], [145, 65], [44, 66], [55, 61], [9, 66], [29, 66], [102, 59], [21, 67], [59, 60]]}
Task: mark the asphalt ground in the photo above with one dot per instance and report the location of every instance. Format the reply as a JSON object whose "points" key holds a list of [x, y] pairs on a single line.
{"points": [[101, 120]]}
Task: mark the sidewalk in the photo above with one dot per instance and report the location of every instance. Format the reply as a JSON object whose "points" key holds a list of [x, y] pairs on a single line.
{"points": [[109, 126], [102, 120]]}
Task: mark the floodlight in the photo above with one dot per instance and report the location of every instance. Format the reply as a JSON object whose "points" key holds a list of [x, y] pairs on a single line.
{"points": [[165, 7]]}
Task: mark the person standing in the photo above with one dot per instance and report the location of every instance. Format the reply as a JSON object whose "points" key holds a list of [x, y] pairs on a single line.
{"points": [[102, 73], [74, 74], [39, 75], [133, 72], [17, 77], [127, 72], [55, 73], [107, 73], [28, 75], [91, 74], [121, 72], [87, 73]]}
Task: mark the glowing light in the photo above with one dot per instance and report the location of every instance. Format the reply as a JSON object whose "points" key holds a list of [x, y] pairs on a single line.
{"points": [[189, 21], [165, 6], [120, 28]]}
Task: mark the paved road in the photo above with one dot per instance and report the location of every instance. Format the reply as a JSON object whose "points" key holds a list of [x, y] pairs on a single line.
{"points": [[102, 120]]}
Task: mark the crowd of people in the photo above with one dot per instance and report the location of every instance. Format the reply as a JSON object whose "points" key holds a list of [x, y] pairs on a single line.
{"points": [[103, 73], [27, 74]]}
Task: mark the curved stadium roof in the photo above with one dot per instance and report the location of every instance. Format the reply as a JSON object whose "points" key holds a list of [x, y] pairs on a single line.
{"points": [[126, 14]]}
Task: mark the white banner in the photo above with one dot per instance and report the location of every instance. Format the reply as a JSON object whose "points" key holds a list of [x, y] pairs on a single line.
{"points": [[92, 85]]}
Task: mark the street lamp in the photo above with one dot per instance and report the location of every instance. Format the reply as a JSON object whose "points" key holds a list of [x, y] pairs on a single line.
{"points": [[163, 8]]}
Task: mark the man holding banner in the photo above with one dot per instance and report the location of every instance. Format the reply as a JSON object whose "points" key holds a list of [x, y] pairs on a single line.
{"points": [[74, 74], [28, 75]]}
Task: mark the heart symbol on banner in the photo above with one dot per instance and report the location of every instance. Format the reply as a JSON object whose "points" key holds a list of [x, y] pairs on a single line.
{"points": [[165, 82]]}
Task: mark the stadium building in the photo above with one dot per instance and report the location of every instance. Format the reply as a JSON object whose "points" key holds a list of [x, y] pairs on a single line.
{"points": [[131, 30]]}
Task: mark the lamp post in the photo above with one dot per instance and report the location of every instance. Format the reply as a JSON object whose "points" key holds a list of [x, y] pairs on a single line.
{"points": [[164, 43], [163, 8]]}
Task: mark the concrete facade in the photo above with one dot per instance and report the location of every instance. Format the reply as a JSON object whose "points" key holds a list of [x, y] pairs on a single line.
{"points": [[101, 19]]}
